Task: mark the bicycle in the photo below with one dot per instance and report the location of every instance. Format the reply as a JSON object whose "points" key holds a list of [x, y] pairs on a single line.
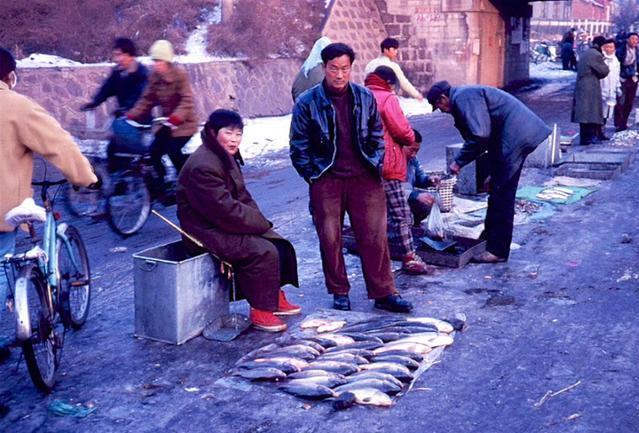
{"points": [[49, 287], [128, 194]]}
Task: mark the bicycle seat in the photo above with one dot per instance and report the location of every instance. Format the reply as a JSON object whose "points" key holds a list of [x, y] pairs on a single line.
{"points": [[26, 212]]}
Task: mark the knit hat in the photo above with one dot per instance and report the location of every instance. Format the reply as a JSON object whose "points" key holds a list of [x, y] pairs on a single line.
{"points": [[439, 88], [222, 118], [162, 50], [7, 63]]}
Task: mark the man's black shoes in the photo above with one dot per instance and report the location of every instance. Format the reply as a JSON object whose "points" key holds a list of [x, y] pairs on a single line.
{"points": [[341, 302], [393, 303]]}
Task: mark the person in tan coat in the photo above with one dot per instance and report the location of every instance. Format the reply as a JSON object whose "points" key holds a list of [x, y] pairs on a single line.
{"points": [[214, 206], [26, 128], [170, 89]]}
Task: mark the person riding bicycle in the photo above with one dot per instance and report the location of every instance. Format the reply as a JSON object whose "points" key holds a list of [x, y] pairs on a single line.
{"points": [[127, 81], [26, 128], [170, 89]]}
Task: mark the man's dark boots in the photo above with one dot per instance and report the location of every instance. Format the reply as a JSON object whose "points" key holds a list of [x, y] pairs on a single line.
{"points": [[393, 303], [341, 302]]}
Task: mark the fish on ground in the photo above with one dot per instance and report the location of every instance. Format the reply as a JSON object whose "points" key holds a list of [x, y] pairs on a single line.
{"points": [[441, 325], [358, 336], [397, 359], [312, 344], [369, 396], [329, 380], [324, 342], [286, 367], [371, 324], [261, 373], [331, 327], [386, 336], [299, 363], [253, 353], [398, 371], [429, 339], [414, 356], [409, 346], [366, 345], [309, 373], [338, 339], [373, 374], [343, 357], [315, 323], [299, 388], [379, 384], [334, 367]]}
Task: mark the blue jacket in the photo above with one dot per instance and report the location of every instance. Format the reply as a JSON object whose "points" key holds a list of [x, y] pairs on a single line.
{"points": [[491, 120], [313, 131], [126, 87], [416, 176]]}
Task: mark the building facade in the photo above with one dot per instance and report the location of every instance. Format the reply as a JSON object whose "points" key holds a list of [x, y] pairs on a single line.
{"points": [[551, 20]]}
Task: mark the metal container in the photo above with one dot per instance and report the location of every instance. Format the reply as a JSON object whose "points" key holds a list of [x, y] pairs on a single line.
{"points": [[176, 295]]}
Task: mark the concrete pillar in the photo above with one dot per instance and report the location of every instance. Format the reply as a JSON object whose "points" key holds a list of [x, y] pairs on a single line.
{"points": [[227, 9]]}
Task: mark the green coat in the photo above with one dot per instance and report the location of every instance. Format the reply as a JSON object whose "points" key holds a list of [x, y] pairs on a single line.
{"points": [[587, 103]]}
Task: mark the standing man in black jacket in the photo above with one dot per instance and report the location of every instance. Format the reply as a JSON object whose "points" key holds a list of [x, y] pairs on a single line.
{"points": [[127, 82], [628, 55], [337, 142]]}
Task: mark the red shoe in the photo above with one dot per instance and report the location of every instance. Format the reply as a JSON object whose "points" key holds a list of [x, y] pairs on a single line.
{"points": [[266, 321], [285, 308], [414, 265]]}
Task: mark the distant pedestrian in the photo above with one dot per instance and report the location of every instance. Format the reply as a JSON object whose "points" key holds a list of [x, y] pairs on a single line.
{"points": [[126, 82], [312, 71], [628, 55], [610, 85], [494, 122], [587, 101], [419, 200], [390, 51], [214, 206], [337, 143], [170, 89], [568, 58], [398, 134]]}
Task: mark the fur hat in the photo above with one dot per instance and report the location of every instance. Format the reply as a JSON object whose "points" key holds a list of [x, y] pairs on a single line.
{"points": [[7, 63], [162, 50], [222, 118]]}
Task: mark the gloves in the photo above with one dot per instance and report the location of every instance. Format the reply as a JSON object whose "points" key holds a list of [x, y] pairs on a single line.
{"points": [[87, 107], [175, 120]]}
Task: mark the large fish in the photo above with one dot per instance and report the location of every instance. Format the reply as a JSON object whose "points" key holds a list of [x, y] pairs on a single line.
{"points": [[373, 374], [303, 389], [299, 363], [301, 351], [398, 371], [269, 373], [338, 339], [334, 367], [382, 385], [312, 344], [370, 324], [371, 344], [441, 325], [343, 357], [397, 359], [429, 339], [308, 373], [284, 366], [364, 396], [386, 336], [324, 342], [253, 353], [408, 346], [358, 336], [414, 356], [330, 380], [396, 329], [331, 327], [314, 323]]}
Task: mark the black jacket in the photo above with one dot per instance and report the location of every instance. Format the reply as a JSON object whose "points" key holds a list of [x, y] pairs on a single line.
{"points": [[126, 87], [313, 131], [628, 71]]}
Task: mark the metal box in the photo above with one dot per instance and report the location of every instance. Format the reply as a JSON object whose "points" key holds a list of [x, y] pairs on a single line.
{"points": [[176, 295]]}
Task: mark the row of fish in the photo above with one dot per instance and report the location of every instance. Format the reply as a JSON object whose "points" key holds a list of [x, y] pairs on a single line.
{"points": [[362, 363]]}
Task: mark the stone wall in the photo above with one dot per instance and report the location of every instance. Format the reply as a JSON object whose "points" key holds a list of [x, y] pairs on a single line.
{"points": [[253, 87], [358, 24]]}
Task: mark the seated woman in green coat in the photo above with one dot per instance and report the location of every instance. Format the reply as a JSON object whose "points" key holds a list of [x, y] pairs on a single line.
{"points": [[215, 207]]}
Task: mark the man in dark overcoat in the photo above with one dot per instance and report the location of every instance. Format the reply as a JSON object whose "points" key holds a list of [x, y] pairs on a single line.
{"points": [[628, 55], [215, 207], [494, 122], [587, 109]]}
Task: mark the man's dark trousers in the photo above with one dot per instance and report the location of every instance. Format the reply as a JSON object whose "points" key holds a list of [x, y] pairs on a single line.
{"points": [[625, 103], [362, 197], [498, 226]]}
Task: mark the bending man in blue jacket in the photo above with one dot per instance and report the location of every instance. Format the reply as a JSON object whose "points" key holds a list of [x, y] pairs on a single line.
{"points": [[494, 122]]}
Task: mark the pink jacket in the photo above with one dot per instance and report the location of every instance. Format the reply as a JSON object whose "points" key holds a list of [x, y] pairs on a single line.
{"points": [[397, 129]]}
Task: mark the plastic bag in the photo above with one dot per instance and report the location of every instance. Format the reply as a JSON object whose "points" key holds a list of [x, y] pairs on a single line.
{"points": [[435, 227]]}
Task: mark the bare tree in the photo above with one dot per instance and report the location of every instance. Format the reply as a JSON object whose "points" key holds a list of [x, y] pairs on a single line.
{"points": [[627, 14]]}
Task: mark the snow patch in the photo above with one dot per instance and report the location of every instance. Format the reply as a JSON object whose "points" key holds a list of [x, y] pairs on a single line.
{"points": [[196, 44], [37, 60], [550, 71], [413, 107]]}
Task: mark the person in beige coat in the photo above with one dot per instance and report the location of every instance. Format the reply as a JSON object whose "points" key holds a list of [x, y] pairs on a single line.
{"points": [[26, 128]]}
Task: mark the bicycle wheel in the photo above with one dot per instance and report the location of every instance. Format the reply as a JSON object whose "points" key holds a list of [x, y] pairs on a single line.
{"points": [[129, 205], [42, 348], [74, 278], [85, 201]]}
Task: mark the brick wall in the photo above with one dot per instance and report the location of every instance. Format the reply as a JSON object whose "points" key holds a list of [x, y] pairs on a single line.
{"points": [[358, 24], [586, 10], [254, 88]]}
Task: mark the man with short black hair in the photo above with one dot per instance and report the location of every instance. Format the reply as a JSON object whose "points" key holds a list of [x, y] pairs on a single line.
{"points": [[494, 122], [628, 55], [337, 143], [390, 51]]}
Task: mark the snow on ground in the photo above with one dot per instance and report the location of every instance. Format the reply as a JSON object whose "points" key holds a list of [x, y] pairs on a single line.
{"points": [[37, 60], [413, 107], [550, 71]]}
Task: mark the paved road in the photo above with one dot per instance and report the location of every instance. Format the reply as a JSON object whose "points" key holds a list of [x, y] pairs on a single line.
{"points": [[561, 311]]}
